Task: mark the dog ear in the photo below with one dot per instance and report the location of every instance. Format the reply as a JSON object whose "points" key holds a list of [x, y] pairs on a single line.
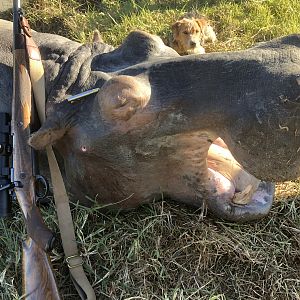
{"points": [[202, 22], [175, 28], [208, 33]]}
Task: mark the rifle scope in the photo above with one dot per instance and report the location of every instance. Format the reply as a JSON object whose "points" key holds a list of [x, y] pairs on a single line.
{"points": [[5, 152]]}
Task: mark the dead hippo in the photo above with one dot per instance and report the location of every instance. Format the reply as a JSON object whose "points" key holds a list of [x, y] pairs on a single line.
{"points": [[164, 124]]}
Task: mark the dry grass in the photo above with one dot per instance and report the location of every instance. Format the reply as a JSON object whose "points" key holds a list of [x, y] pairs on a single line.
{"points": [[163, 250], [166, 251]]}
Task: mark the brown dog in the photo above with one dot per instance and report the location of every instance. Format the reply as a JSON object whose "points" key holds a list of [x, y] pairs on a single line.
{"points": [[190, 34]]}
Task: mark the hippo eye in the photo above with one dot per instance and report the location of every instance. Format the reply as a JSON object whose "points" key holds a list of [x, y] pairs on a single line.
{"points": [[185, 32], [83, 148]]}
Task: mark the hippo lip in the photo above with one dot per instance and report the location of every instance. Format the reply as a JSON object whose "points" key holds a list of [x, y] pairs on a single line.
{"points": [[238, 196], [251, 206]]}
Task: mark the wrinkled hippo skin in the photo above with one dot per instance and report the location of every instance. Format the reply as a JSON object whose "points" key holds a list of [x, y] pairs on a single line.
{"points": [[154, 126]]}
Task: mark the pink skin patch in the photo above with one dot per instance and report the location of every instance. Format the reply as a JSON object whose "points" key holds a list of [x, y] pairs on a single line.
{"points": [[225, 187], [222, 184]]}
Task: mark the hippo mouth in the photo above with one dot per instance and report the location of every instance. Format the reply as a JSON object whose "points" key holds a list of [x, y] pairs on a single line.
{"points": [[238, 195]]}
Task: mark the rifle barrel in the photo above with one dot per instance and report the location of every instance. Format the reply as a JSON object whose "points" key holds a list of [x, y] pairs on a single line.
{"points": [[16, 25]]}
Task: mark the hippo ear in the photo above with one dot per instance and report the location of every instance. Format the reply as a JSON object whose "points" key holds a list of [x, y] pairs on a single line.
{"points": [[54, 128], [48, 134], [97, 38], [122, 96]]}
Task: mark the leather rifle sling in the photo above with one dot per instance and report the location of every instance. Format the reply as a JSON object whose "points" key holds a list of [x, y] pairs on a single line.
{"points": [[67, 232]]}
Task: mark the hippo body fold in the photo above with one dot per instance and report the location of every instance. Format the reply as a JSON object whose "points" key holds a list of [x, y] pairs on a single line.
{"points": [[164, 124]]}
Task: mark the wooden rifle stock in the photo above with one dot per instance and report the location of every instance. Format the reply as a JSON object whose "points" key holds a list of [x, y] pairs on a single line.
{"points": [[38, 278]]}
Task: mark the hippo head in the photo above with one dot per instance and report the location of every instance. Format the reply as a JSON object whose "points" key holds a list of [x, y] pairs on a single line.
{"points": [[155, 125]]}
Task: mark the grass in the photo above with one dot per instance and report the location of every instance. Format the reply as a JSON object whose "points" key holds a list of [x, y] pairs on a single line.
{"points": [[239, 23], [164, 250]]}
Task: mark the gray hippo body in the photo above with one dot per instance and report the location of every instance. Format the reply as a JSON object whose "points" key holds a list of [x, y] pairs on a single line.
{"points": [[155, 124]]}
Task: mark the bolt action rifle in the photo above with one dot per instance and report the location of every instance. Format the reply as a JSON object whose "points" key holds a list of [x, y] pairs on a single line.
{"points": [[21, 180]]}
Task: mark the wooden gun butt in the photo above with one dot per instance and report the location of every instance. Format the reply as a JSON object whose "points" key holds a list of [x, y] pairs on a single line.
{"points": [[38, 278]]}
